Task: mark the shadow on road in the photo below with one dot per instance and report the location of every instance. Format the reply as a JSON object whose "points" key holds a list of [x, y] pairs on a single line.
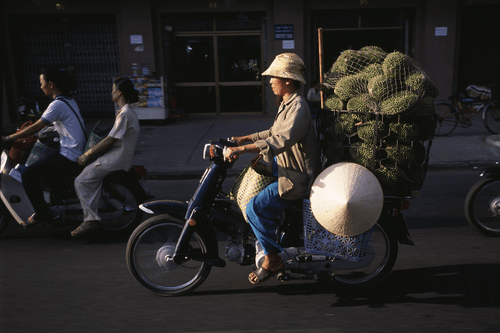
{"points": [[469, 286]]}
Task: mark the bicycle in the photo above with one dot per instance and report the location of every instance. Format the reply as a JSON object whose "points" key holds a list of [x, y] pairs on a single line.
{"points": [[461, 108]]}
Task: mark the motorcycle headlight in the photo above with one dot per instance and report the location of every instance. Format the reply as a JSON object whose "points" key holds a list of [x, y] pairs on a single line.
{"points": [[4, 160], [206, 152]]}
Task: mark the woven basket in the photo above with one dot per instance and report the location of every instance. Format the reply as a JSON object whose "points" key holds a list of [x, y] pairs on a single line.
{"points": [[93, 138], [248, 185], [318, 240], [92, 141], [38, 152]]}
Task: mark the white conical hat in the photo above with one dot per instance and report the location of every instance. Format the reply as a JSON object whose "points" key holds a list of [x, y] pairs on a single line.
{"points": [[346, 199]]}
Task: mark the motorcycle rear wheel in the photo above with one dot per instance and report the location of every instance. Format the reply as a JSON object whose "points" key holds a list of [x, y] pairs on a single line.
{"points": [[129, 201], [385, 247], [151, 244], [4, 217], [482, 206]]}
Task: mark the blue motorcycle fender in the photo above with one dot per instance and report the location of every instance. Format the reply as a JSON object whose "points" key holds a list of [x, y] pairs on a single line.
{"points": [[493, 171], [397, 225], [174, 208]]}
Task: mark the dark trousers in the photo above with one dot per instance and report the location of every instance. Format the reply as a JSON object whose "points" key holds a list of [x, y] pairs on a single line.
{"points": [[47, 169]]}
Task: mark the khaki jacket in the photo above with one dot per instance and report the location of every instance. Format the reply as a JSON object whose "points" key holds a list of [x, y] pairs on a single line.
{"points": [[292, 139]]}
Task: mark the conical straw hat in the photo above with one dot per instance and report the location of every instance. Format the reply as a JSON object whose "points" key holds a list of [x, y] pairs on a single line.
{"points": [[346, 199]]}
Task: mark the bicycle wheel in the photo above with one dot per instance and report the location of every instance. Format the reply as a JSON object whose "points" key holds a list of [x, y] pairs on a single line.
{"points": [[448, 118], [482, 206], [491, 119]]}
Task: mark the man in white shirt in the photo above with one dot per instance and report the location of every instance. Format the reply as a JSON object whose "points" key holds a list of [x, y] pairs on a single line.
{"points": [[314, 98]]}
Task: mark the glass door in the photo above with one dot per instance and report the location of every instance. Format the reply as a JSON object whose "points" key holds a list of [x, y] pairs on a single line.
{"points": [[193, 84], [215, 70], [239, 79]]}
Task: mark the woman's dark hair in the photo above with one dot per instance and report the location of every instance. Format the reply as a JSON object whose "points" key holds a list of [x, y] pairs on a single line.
{"points": [[127, 88], [63, 80]]}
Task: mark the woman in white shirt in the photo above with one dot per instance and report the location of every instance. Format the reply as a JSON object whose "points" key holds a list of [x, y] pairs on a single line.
{"points": [[122, 139]]}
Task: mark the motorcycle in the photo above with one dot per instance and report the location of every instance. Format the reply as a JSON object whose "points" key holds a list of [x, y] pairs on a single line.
{"points": [[122, 193], [172, 253], [29, 109], [482, 203]]}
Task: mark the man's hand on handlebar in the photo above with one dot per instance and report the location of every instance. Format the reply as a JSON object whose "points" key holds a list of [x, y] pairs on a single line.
{"points": [[232, 153]]}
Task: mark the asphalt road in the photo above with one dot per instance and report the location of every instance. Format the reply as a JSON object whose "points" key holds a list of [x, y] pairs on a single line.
{"points": [[447, 282]]}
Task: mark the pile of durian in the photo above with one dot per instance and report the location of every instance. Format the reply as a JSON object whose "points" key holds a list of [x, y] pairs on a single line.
{"points": [[381, 115]]}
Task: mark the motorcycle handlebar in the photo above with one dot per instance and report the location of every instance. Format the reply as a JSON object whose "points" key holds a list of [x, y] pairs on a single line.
{"points": [[214, 150], [233, 156]]}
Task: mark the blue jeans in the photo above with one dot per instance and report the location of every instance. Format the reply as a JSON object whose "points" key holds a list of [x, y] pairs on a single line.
{"points": [[261, 212]]}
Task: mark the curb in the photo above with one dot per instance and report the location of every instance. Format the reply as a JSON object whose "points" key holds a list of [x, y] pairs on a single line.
{"points": [[236, 173], [460, 164], [185, 176]]}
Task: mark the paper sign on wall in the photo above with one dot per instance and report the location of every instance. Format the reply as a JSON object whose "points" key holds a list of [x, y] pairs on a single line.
{"points": [[288, 44], [283, 31], [135, 39], [441, 31]]}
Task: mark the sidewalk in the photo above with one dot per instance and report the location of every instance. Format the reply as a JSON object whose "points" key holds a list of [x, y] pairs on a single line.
{"points": [[463, 151], [174, 149]]}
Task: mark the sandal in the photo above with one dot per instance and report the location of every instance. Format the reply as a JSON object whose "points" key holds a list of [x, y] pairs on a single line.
{"points": [[85, 228], [263, 274], [35, 219], [31, 221]]}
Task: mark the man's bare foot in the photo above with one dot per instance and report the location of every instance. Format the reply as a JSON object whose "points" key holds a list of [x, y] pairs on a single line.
{"points": [[272, 264]]}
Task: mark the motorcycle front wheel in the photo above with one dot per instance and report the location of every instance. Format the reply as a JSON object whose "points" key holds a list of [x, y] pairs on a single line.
{"points": [[482, 206], [149, 252], [385, 248]]}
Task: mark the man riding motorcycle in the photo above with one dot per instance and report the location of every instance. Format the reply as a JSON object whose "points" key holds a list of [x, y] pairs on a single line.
{"points": [[64, 115]]}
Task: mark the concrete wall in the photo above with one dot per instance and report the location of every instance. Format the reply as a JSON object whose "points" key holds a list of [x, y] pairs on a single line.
{"points": [[284, 13], [134, 18], [440, 53]]}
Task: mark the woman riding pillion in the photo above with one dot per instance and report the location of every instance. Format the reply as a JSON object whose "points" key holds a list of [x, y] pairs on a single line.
{"points": [[291, 144], [64, 114], [122, 139]]}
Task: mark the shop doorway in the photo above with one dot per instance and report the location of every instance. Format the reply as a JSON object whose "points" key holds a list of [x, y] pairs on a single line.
{"points": [[479, 48], [213, 67], [348, 29], [85, 45]]}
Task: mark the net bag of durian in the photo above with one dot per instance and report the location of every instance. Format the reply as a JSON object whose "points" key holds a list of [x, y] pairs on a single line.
{"points": [[380, 113]]}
